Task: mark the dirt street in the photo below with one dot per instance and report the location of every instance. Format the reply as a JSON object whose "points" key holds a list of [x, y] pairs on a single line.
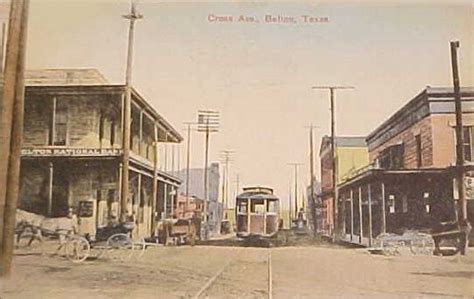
{"points": [[243, 272]]}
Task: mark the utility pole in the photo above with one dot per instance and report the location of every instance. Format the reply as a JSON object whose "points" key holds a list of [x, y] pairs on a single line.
{"points": [[289, 205], [11, 126], [237, 184], [188, 159], [226, 159], [208, 122], [333, 152], [132, 17], [312, 198], [295, 165], [460, 175], [2, 50]]}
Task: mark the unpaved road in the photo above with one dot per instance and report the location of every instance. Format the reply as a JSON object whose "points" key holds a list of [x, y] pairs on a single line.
{"points": [[229, 272]]}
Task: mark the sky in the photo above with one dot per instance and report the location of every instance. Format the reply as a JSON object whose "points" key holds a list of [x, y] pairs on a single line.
{"points": [[259, 75]]}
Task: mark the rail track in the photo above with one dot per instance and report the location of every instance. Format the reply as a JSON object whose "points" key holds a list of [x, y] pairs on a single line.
{"points": [[234, 261]]}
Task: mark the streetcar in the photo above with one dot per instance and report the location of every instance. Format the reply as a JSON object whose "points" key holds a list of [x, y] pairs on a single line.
{"points": [[256, 212]]}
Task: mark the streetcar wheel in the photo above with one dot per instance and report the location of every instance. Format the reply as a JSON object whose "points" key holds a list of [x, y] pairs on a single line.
{"points": [[77, 249]]}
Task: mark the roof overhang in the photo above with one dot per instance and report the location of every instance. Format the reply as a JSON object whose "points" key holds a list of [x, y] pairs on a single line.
{"points": [[172, 134]]}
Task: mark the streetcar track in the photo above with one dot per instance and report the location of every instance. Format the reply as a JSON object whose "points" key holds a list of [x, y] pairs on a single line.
{"points": [[270, 275], [211, 281]]}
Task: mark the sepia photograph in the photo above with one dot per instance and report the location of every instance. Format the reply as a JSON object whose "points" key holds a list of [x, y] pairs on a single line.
{"points": [[236, 149]]}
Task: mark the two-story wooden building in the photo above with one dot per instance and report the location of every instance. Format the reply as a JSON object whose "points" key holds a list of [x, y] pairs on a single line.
{"points": [[351, 153], [409, 182], [72, 151]]}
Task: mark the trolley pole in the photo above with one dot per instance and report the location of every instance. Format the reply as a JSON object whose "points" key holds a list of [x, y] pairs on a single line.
{"points": [[333, 155], [132, 17]]}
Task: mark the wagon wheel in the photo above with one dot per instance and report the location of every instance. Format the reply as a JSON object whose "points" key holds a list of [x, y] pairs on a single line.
{"points": [[77, 249], [422, 246], [119, 247]]}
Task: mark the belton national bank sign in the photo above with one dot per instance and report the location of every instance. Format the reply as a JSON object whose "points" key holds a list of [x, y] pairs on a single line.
{"points": [[70, 152]]}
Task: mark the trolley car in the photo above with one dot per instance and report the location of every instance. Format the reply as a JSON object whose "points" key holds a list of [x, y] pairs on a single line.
{"points": [[256, 212]]}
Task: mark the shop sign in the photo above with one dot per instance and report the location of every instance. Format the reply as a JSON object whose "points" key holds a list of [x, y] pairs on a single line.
{"points": [[69, 152]]}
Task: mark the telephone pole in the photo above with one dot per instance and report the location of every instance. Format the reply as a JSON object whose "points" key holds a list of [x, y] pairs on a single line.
{"points": [[311, 174], [295, 165], [333, 152], [208, 122], [226, 159], [188, 159], [11, 126], [132, 17], [460, 175]]}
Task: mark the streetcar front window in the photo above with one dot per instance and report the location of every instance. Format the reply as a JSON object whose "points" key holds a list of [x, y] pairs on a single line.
{"points": [[258, 206], [242, 207], [272, 206]]}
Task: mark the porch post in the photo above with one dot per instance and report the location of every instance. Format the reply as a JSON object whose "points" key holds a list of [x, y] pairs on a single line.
{"points": [[139, 196], [265, 202], [361, 228], [120, 181], [50, 190], [165, 210], [126, 154], [53, 122], [248, 215], [370, 214], [384, 223], [141, 133], [352, 214], [173, 197], [155, 179]]}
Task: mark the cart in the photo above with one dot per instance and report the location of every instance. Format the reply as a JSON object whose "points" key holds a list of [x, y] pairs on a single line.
{"points": [[112, 242]]}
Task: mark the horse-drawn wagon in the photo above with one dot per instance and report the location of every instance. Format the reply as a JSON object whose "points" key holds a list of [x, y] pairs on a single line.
{"points": [[113, 241]]}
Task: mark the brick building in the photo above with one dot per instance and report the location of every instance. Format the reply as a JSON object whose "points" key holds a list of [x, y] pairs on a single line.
{"points": [[408, 183], [72, 151]]}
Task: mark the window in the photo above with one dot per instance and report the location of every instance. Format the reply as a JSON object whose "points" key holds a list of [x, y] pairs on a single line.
{"points": [[272, 206], [257, 206], [419, 156], [467, 142], [242, 207], [426, 199], [60, 125], [392, 157], [467, 145], [404, 204], [101, 126], [391, 203], [112, 133]]}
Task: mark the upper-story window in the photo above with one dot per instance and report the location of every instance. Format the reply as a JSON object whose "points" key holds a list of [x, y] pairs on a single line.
{"points": [[467, 145], [419, 153], [392, 157], [60, 125], [467, 142]]}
